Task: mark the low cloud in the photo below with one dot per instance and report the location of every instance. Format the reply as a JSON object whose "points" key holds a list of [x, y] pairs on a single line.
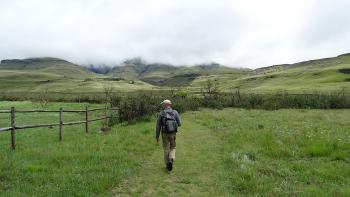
{"points": [[241, 33]]}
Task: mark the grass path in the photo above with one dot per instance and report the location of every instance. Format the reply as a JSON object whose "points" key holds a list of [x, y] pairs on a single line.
{"points": [[194, 170], [229, 152]]}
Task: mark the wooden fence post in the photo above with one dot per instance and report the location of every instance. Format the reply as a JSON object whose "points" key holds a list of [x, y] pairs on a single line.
{"points": [[61, 124], [13, 130], [106, 115], [86, 120]]}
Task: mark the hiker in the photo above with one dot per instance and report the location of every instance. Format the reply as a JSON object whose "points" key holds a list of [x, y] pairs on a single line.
{"points": [[167, 123]]}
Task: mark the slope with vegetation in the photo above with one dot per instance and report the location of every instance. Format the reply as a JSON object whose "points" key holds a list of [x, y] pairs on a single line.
{"points": [[56, 75], [39, 74], [60, 68], [323, 75], [169, 75]]}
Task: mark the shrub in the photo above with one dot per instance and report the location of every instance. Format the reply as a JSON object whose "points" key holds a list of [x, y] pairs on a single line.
{"points": [[141, 104]]}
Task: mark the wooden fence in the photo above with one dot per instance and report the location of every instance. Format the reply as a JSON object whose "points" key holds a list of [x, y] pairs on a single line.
{"points": [[13, 125]]}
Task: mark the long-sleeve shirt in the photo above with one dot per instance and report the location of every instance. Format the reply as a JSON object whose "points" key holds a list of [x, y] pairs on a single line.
{"points": [[159, 120]]}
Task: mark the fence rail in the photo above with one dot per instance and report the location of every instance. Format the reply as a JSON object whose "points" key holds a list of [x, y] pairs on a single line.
{"points": [[60, 122]]}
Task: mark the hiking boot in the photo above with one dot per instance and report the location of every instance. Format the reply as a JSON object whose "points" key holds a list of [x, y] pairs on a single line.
{"points": [[170, 165]]}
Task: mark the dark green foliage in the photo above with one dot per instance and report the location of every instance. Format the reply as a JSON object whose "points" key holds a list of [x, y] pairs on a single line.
{"points": [[214, 103], [180, 93], [285, 100], [135, 107], [138, 106], [345, 71], [141, 105]]}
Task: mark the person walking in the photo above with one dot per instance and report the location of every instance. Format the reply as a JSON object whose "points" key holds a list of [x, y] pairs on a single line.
{"points": [[168, 122]]}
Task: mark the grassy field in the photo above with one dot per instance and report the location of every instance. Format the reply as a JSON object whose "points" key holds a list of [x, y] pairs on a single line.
{"points": [[80, 165], [230, 152]]}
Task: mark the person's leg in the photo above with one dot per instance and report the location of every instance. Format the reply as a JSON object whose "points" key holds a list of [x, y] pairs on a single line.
{"points": [[166, 147], [172, 146]]}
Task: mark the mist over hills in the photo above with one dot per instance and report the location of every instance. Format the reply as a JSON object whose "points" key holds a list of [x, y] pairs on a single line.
{"points": [[167, 74], [132, 69], [50, 65], [32, 74]]}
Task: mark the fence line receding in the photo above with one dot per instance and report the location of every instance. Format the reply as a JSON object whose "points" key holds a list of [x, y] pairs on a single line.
{"points": [[13, 124]]}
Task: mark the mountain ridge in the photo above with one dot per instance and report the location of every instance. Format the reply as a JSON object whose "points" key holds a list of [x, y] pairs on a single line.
{"points": [[319, 74]]}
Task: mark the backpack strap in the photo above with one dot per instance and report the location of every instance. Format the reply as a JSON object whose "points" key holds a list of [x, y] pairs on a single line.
{"points": [[163, 115]]}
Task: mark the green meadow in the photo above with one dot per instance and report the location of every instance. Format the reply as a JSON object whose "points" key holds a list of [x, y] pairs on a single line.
{"points": [[229, 152]]}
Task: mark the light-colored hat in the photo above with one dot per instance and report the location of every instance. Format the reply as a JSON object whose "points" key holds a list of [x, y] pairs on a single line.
{"points": [[166, 101]]}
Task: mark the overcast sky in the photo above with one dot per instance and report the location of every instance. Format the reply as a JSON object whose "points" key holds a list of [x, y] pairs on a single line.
{"points": [[240, 33]]}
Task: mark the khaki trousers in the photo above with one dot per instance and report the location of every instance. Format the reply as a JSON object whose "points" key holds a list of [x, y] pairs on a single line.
{"points": [[169, 146]]}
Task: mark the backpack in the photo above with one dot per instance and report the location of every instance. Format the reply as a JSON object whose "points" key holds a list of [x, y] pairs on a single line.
{"points": [[169, 122]]}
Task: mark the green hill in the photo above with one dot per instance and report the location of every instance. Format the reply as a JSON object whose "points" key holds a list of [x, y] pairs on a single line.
{"points": [[169, 75], [58, 67], [324, 75], [57, 75]]}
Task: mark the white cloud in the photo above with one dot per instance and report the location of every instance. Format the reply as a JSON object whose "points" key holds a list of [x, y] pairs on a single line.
{"points": [[248, 33]]}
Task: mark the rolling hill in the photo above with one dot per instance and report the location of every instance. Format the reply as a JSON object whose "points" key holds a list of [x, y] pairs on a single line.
{"points": [[54, 66], [169, 75], [322, 75], [57, 75]]}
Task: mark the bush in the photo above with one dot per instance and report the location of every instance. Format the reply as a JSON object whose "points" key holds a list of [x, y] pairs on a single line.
{"points": [[138, 105], [141, 105]]}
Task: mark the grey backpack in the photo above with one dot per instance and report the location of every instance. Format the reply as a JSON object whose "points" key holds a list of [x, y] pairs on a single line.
{"points": [[169, 122]]}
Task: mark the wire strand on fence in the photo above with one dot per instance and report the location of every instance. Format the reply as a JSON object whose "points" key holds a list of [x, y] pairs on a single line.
{"points": [[51, 111], [5, 129], [60, 123]]}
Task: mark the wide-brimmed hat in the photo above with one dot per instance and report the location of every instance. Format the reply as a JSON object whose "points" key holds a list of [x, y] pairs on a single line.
{"points": [[166, 101]]}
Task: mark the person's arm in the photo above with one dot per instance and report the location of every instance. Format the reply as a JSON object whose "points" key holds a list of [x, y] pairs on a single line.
{"points": [[158, 126], [177, 118]]}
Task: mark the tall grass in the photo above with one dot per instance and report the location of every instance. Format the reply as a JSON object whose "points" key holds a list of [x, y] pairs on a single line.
{"points": [[294, 101]]}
